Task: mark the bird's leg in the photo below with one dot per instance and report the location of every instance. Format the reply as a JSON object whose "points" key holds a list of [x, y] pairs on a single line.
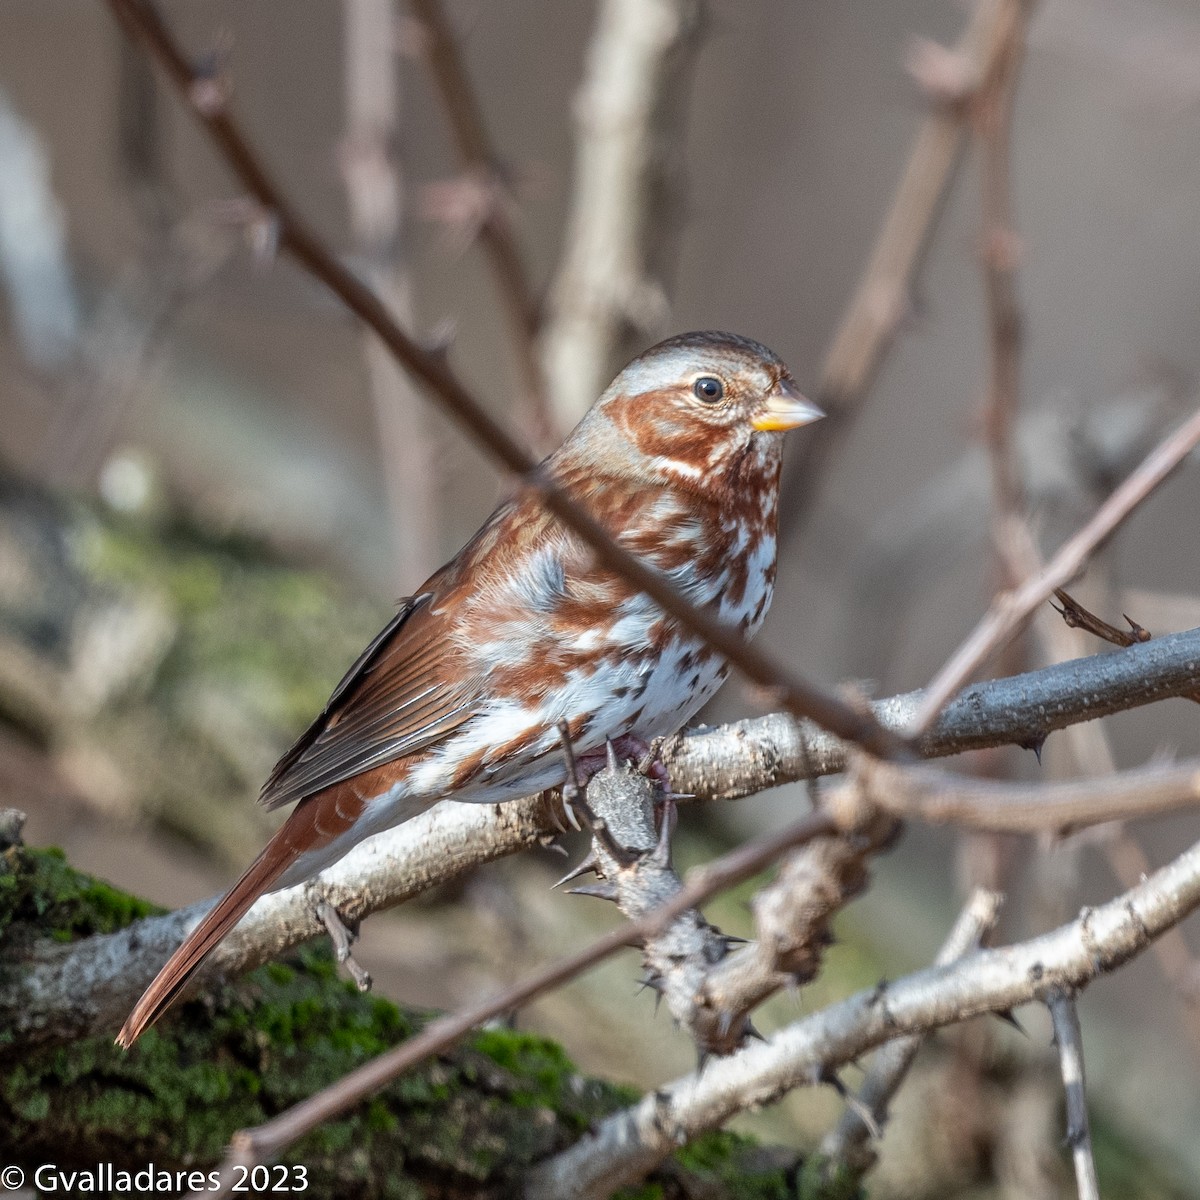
{"points": [[343, 938], [574, 793]]}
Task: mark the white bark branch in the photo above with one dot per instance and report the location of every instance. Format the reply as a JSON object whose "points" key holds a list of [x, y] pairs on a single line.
{"points": [[629, 1144], [1069, 1039], [845, 1146], [626, 133], [62, 992]]}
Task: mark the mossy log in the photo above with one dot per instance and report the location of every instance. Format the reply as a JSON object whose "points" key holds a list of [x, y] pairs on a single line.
{"points": [[466, 1124]]}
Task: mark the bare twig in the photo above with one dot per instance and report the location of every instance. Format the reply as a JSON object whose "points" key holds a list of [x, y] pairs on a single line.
{"points": [[628, 116], [1069, 1039], [845, 1145], [371, 170], [1010, 611], [480, 161], [1075, 616], [141, 21], [881, 300], [628, 1144], [1033, 807], [991, 115]]}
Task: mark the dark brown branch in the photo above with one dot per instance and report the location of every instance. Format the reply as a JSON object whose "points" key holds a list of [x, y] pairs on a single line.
{"points": [[141, 22], [1075, 616]]}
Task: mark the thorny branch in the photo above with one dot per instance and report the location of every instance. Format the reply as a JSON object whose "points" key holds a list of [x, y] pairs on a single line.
{"points": [[628, 1144], [67, 991], [206, 97], [708, 990]]}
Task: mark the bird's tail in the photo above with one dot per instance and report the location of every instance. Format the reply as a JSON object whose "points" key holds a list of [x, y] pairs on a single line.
{"points": [[278, 854]]}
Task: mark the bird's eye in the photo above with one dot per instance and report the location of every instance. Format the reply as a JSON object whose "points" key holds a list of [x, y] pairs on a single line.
{"points": [[708, 389]]}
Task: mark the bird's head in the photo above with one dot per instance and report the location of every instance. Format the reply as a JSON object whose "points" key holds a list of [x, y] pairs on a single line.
{"points": [[696, 410]]}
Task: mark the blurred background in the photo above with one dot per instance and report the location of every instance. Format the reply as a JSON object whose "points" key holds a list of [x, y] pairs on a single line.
{"points": [[212, 488]]}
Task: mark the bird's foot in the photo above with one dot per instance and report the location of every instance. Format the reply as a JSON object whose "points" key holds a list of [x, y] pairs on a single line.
{"points": [[633, 748], [343, 937]]}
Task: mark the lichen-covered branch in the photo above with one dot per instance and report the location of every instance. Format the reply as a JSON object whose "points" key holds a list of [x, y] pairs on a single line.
{"points": [[63, 991]]}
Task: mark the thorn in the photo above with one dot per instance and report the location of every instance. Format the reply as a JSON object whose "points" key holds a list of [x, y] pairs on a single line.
{"points": [[1140, 633], [1007, 1016], [1035, 744], [865, 1115], [570, 813], [703, 1054], [1075, 1137], [599, 891], [748, 1031], [591, 863], [655, 982]]}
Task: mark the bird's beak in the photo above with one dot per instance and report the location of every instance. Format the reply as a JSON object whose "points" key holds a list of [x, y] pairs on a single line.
{"points": [[786, 408]]}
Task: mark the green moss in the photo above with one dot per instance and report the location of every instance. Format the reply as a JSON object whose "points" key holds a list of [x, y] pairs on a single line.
{"points": [[466, 1123], [232, 601], [39, 889]]}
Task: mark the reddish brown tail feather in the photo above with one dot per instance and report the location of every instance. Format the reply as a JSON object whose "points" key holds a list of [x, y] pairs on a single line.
{"points": [[278, 854], [316, 822]]}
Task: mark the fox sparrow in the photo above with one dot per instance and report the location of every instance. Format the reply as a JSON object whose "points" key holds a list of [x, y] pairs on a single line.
{"points": [[461, 695]]}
